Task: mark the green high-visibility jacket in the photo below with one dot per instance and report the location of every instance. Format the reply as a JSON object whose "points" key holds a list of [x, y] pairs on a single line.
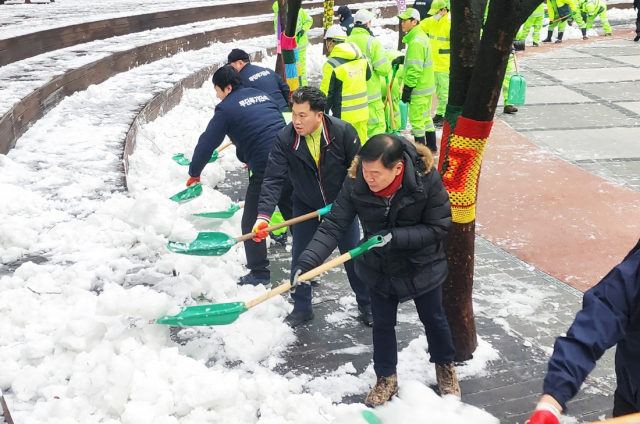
{"points": [[378, 62], [344, 81], [592, 7], [304, 23], [439, 33], [418, 63]]}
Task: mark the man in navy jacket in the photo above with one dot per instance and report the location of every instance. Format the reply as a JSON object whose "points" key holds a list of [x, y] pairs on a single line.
{"points": [[263, 79], [251, 119], [610, 315]]}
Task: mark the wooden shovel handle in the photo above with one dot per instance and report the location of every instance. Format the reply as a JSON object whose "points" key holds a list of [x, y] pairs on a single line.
{"points": [[390, 100], [626, 419], [5, 411], [304, 277], [292, 221], [221, 148]]}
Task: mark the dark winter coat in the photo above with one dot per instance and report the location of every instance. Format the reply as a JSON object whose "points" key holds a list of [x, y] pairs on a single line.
{"points": [[313, 187], [251, 119], [418, 216], [266, 80], [610, 315], [636, 4], [423, 7], [346, 18]]}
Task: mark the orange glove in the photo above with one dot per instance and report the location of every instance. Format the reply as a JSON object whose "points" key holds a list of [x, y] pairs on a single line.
{"points": [[258, 228], [193, 180]]}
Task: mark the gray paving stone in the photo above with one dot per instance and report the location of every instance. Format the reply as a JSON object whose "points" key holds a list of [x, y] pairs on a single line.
{"points": [[534, 80], [613, 91], [605, 74], [554, 94], [543, 64], [566, 117], [590, 143], [604, 48], [632, 106], [631, 60]]}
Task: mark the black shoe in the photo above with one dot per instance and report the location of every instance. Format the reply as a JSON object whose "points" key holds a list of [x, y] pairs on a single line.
{"points": [[252, 279], [367, 315], [510, 109], [559, 40], [420, 140], [607, 34], [431, 141], [637, 38], [296, 318], [280, 240], [548, 39], [438, 118], [535, 44]]}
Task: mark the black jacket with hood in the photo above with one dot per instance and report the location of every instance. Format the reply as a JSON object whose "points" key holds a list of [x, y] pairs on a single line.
{"points": [[418, 216]]}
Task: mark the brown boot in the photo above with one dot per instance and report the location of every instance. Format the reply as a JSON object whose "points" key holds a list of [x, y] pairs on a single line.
{"points": [[385, 389], [447, 380]]}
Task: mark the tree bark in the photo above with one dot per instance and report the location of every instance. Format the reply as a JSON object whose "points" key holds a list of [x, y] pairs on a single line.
{"points": [[457, 290]]}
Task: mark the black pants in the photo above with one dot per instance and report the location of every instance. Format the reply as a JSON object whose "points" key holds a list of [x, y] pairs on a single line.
{"points": [[431, 313], [638, 23], [257, 261], [621, 406], [302, 235]]}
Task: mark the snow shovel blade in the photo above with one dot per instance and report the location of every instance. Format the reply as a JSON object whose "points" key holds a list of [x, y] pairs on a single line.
{"points": [[181, 160], [220, 314], [221, 214], [188, 194], [206, 244], [370, 417], [517, 90]]}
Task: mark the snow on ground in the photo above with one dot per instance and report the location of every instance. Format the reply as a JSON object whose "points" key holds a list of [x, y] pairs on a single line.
{"points": [[18, 79], [77, 342], [20, 19]]}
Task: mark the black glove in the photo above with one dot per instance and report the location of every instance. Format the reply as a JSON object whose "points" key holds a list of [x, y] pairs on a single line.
{"points": [[388, 242], [398, 61], [297, 272], [406, 94], [300, 33]]}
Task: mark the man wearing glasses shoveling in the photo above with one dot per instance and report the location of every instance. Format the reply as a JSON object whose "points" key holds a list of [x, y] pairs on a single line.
{"points": [[315, 151]]}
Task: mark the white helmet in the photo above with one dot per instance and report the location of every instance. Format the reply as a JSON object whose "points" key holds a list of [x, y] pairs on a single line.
{"points": [[336, 32], [363, 16]]}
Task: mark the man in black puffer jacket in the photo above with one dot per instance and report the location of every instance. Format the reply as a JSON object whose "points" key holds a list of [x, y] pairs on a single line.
{"points": [[395, 191]]}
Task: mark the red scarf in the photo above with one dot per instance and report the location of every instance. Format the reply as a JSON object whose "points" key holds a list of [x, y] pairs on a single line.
{"points": [[391, 188]]}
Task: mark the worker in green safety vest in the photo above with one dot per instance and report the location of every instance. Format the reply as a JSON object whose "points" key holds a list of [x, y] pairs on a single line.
{"points": [[419, 79], [344, 81], [535, 21], [438, 29], [381, 66], [303, 25], [560, 11], [591, 9]]}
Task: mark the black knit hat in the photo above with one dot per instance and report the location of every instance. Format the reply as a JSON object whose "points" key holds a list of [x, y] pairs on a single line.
{"points": [[237, 54], [226, 76]]}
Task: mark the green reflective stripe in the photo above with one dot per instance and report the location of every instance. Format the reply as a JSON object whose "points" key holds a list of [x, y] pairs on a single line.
{"points": [[537, 15], [334, 62], [427, 64], [380, 62], [356, 50], [372, 121], [303, 46], [376, 96], [415, 62], [443, 39], [425, 42], [444, 51], [369, 44], [354, 96], [430, 127], [396, 114], [510, 73], [355, 107], [423, 92], [419, 133]]}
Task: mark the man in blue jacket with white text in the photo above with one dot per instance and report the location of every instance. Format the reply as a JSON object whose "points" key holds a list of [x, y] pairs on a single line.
{"points": [[251, 119], [263, 79], [610, 316]]}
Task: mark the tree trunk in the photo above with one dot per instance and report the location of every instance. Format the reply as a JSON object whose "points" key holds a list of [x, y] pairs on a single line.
{"points": [[476, 75], [458, 289]]}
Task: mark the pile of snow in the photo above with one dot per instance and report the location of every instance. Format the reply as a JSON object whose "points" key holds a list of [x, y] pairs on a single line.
{"points": [[77, 342]]}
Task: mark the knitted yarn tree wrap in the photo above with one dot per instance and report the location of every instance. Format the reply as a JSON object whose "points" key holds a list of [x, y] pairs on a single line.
{"points": [[291, 59], [327, 18], [462, 151]]}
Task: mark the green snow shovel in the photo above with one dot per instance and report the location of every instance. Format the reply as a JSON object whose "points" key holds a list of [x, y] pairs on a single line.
{"points": [[188, 194], [217, 244], [181, 160], [370, 417], [226, 313], [517, 87], [221, 214]]}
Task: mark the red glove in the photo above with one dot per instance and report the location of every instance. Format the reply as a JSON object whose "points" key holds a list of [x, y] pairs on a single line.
{"points": [[258, 228], [542, 416], [193, 180]]}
